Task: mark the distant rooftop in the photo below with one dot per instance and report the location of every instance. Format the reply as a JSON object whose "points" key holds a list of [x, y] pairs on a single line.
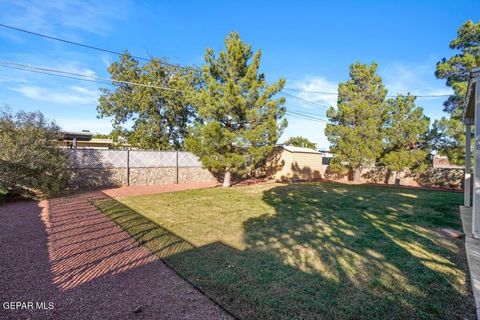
{"points": [[298, 149], [80, 136]]}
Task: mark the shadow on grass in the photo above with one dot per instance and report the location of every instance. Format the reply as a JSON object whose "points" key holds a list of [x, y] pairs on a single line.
{"points": [[158, 240], [330, 251]]}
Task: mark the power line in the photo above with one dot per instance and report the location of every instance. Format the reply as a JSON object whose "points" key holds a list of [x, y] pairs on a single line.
{"points": [[53, 74], [306, 116], [388, 96], [290, 107], [308, 91], [87, 45], [312, 103], [95, 79], [182, 67], [87, 76]]}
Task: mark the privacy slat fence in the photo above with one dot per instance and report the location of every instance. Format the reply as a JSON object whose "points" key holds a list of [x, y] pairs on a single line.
{"points": [[93, 167]]}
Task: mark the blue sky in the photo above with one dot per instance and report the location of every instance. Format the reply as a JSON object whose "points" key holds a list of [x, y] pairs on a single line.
{"points": [[309, 43]]}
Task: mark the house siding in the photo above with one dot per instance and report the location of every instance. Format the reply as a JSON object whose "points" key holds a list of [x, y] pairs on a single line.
{"points": [[288, 165]]}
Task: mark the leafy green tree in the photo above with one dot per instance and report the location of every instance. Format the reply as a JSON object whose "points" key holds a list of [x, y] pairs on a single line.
{"points": [[405, 127], [355, 128], [160, 116], [101, 136], [30, 162], [456, 71], [300, 142], [239, 119]]}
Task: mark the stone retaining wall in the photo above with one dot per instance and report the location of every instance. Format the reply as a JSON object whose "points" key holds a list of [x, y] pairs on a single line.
{"points": [[91, 178], [433, 177], [93, 168]]}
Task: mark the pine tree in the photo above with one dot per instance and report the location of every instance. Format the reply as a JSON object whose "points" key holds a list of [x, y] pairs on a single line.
{"points": [[239, 120], [355, 128], [448, 133], [405, 126], [456, 70]]}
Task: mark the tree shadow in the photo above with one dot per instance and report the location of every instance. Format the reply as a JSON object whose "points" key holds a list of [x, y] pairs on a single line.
{"points": [[334, 251], [87, 170], [370, 249], [304, 173], [329, 251], [76, 262]]}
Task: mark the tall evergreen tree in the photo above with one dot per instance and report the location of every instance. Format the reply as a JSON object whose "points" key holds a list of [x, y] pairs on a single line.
{"points": [[239, 120], [160, 116], [405, 127], [456, 71], [355, 127]]}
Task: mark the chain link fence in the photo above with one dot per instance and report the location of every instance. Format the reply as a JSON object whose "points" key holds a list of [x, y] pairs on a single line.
{"points": [[136, 162], [94, 158]]}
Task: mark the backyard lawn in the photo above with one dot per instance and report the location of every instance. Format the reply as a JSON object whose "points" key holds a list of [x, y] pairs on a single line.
{"points": [[309, 250]]}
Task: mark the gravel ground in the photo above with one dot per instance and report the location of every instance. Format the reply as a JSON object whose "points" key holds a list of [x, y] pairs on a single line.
{"points": [[63, 251]]}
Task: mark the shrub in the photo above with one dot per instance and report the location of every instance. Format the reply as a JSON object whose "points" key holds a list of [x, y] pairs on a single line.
{"points": [[30, 162]]}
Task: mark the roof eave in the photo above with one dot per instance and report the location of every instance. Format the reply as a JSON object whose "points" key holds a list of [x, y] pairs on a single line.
{"points": [[469, 109]]}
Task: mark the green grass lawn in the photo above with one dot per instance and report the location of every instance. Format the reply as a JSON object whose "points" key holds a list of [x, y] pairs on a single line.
{"points": [[310, 250]]}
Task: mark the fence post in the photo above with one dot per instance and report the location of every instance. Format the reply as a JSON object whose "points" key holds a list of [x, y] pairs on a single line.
{"points": [[128, 167], [176, 180]]}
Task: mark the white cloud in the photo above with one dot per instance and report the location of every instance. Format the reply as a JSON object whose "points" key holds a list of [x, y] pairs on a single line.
{"points": [[75, 68], [107, 61], [414, 79], [47, 62], [312, 130], [317, 84], [58, 17], [71, 95]]}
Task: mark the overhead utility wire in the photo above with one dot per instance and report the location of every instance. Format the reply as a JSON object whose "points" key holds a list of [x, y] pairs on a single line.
{"points": [[166, 63], [86, 76], [90, 78], [87, 45], [43, 70], [53, 74], [306, 101], [389, 96], [306, 116]]}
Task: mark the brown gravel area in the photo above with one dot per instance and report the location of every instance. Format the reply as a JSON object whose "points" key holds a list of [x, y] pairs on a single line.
{"points": [[65, 252]]}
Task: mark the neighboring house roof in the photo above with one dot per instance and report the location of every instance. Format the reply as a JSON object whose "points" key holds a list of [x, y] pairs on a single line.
{"points": [[298, 149], [81, 136]]}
